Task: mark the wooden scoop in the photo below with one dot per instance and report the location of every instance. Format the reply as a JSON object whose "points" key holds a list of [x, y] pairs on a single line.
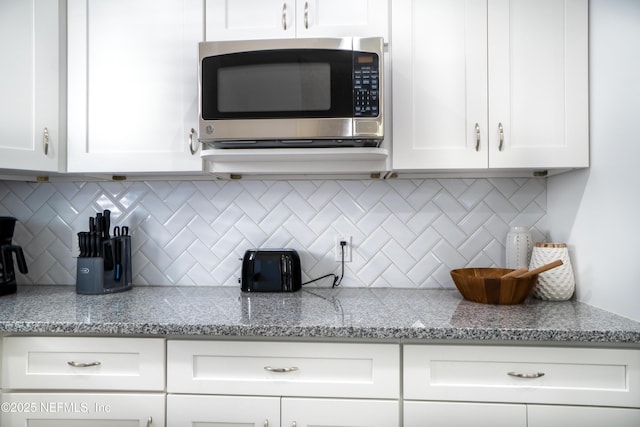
{"points": [[515, 273], [541, 269]]}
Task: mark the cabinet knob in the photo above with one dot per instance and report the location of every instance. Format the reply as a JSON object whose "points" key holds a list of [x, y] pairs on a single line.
{"points": [[149, 421]]}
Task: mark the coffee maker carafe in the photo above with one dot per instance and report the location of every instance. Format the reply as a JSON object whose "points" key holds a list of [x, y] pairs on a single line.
{"points": [[7, 249]]}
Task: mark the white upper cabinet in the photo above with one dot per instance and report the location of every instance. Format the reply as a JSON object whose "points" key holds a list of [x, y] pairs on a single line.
{"points": [[133, 95], [439, 70], [268, 19], [483, 84], [32, 128]]}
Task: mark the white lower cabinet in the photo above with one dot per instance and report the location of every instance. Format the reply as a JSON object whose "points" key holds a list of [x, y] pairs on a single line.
{"points": [[210, 411], [520, 386], [456, 414], [339, 413], [82, 410], [120, 382], [222, 383], [256, 411], [83, 381], [583, 416]]}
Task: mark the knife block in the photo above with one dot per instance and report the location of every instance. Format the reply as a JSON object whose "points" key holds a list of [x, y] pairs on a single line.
{"points": [[93, 277]]}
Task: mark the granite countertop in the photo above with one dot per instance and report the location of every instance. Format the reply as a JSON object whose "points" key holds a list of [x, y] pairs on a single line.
{"points": [[389, 314]]}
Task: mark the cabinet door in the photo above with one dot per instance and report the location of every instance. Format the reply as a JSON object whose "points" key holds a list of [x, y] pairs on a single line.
{"points": [[269, 19], [339, 18], [451, 414], [583, 416], [31, 130], [250, 19], [538, 83], [217, 411], [82, 410], [439, 72], [339, 413], [133, 95]]}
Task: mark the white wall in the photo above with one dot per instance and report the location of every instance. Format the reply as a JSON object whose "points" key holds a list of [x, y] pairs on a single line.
{"points": [[596, 211]]}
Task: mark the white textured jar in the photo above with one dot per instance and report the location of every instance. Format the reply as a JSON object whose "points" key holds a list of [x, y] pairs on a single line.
{"points": [[557, 284], [518, 247]]}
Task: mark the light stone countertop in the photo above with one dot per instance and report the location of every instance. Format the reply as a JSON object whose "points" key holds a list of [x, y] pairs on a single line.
{"points": [[395, 315]]}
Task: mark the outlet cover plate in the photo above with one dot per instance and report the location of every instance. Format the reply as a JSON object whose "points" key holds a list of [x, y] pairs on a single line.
{"points": [[347, 249]]}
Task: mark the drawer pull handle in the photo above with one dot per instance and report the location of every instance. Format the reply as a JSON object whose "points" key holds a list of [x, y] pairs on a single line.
{"points": [[266, 423], [45, 138], [284, 16], [520, 375], [83, 365], [149, 421], [192, 133], [279, 370]]}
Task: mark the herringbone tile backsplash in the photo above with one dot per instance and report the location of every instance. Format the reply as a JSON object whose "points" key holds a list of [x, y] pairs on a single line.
{"points": [[406, 233]]}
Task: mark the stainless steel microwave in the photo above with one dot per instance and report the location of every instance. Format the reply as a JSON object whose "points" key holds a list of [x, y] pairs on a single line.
{"points": [[291, 93]]}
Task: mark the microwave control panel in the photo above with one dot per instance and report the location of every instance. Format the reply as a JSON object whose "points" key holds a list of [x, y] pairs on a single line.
{"points": [[366, 85]]}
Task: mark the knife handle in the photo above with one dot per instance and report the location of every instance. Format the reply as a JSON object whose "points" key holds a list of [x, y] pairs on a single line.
{"points": [[108, 256], [117, 268], [81, 244], [99, 225], [107, 223]]}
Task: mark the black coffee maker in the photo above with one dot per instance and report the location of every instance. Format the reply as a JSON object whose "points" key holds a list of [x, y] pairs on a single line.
{"points": [[7, 274]]}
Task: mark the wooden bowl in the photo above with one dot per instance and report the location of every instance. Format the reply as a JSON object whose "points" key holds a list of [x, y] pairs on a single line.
{"points": [[486, 286]]}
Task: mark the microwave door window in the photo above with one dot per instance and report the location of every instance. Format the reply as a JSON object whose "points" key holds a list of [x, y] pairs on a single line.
{"points": [[275, 87], [278, 84]]}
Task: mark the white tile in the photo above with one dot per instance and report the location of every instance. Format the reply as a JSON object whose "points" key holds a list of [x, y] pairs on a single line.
{"points": [[406, 232], [450, 206]]}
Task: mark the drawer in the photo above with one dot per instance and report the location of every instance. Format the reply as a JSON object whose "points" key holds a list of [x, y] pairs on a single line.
{"points": [[83, 363], [284, 368], [582, 376]]}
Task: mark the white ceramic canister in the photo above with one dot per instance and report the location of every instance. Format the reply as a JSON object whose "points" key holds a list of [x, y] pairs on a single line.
{"points": [[518, 247], [557, 284]]}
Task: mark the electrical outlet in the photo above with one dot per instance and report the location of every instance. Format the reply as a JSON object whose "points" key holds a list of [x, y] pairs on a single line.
{"points": [[347, 248]]}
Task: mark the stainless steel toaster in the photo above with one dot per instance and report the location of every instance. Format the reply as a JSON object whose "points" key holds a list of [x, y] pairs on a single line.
{"points": [[271, 270]]}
